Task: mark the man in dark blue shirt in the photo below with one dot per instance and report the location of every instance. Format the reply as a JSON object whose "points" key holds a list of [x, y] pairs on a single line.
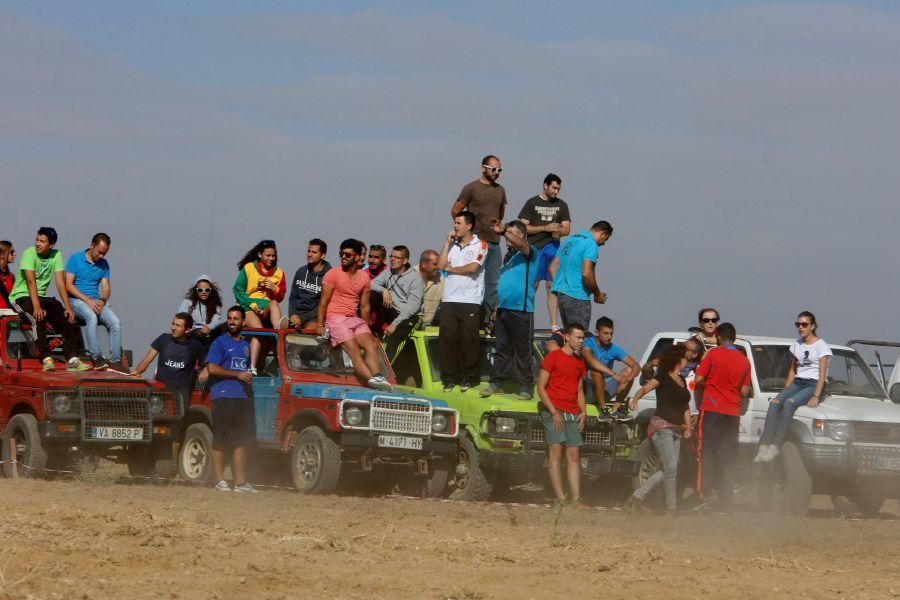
{"points": [[233, 421]]}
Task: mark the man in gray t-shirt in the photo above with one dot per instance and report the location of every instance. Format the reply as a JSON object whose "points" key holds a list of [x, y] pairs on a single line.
{"points": [[486, 199]]}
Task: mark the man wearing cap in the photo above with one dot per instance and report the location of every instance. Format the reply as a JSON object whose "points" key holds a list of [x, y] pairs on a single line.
{"points": [[40, 265]]}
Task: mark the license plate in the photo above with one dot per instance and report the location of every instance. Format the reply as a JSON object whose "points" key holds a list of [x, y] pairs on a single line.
{"points": [[887, 463], [400, 441], [126, 434]]}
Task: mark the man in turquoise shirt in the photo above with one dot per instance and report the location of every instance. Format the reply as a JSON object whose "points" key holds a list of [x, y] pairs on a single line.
{"points": [[514, 321], [574, 281]]}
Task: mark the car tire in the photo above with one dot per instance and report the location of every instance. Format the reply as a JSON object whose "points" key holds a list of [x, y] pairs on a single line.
{"points": [[195, 454], [787, 486], [431, 486], [315, 462], [649, 464], [470, 482], [151, 462], [22, 430], [868, 496]]}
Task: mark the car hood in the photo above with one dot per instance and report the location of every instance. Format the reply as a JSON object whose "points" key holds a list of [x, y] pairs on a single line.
{"points": [[349, 392], [67, 379], [846, 408]]}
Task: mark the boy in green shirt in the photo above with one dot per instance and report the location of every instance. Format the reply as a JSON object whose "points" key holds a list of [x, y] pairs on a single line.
{"points": [[40, 265]]}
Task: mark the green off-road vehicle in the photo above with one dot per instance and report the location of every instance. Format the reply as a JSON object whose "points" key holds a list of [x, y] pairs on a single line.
{"points": [[501, 440]]}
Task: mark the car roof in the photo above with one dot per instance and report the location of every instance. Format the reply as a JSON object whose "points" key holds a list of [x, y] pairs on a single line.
{"points": [[755, 340]]}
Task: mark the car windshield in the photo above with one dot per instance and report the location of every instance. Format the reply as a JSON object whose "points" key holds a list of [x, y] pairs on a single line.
{"points": [[308, 353], [486, 361], [848, 375]]}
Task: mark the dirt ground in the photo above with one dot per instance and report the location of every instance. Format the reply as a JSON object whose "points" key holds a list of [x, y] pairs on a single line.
{"points": [[101, 536]]}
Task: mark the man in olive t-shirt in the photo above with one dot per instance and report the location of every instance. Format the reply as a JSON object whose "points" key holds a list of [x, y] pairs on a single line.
{"points": [[486, 199]]}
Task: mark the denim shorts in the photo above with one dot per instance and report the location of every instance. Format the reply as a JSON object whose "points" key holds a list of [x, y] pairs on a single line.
{"points": [[570, 436]]}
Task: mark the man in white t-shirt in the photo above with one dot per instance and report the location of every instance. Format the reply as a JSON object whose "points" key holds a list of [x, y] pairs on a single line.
{"points": [[462, 258]]}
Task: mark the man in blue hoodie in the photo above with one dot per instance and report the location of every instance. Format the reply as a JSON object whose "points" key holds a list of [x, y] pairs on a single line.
{"points": [[306, 288]]}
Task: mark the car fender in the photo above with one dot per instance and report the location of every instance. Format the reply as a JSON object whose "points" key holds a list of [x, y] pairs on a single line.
{"points": [[800, 432]]}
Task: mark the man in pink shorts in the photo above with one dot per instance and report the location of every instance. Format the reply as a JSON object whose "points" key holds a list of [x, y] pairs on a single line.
{"points": [[344, 310]]}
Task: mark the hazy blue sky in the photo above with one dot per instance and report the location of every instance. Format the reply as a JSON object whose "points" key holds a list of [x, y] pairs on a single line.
{"points": [[745, 152]]}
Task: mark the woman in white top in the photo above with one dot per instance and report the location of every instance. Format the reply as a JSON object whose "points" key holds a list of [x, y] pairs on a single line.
{"points": [[804, 386]]}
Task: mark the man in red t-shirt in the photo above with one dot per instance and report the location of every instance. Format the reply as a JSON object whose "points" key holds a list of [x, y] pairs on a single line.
{"points": [[723, 381], [564, 413], [345, 292]]}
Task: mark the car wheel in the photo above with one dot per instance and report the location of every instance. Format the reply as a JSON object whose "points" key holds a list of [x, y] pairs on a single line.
{"points": [[151, 462], [431, 486], [868, 496], [470, 482], [22, 443], [787, 485], [195, 454], [315, 462]]}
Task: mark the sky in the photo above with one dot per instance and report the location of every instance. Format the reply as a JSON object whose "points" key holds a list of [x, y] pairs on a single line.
{"points": [[745, 152]]}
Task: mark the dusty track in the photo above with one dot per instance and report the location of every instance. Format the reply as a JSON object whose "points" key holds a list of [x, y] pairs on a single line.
{"points": [[102, 538]]}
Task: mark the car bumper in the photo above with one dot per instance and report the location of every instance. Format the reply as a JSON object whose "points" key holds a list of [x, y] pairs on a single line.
{"points": [[851, 460], [70, 432], [367, 441], [532, 462]]}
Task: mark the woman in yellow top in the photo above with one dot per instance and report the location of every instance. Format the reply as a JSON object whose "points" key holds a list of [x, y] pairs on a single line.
{"points": [[259, 287]]}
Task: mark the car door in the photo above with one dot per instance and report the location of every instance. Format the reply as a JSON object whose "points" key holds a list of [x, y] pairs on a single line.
{"points": [[266, 386]]}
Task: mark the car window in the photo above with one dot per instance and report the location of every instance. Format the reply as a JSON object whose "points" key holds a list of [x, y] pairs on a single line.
{"points": [[847, 374], [308, 353]]}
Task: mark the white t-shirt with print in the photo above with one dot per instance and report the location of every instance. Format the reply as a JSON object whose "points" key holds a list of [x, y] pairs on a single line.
{"points": [[468, 289], [808, 356]]}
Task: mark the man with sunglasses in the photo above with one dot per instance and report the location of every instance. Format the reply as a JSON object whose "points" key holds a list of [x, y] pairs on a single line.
{"points": [[397, 299], [345, 308], [486, 199]]}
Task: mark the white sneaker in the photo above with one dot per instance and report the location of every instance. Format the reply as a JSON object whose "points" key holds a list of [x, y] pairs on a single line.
{"points": [[253, 371], [223, 486], [762, 453], [378, 382], [245, 488], [774, 451]]}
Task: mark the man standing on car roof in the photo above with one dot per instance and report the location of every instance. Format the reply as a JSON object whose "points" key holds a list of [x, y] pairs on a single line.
{"points": [[486, 199], [574, 280], [514, 323], [722, 382]]}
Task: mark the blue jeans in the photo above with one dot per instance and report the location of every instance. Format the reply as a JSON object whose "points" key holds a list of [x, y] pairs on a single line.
{"points": [[667, 443], [492, 264], [782, 408], [108, 319]]}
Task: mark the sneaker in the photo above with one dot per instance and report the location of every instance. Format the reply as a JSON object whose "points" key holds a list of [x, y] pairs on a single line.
{"points": [[100, 363], [773, 453], [283, 323], [622, 414], [761, 453], [605, 413], [378, 382], [524, 395], [75, 364], [117, 367], [223, 486], [48, 364], [555, 329], [253, 371], [489, 390], [448, 387], [464, 386], [633, 504], [245, 488]]}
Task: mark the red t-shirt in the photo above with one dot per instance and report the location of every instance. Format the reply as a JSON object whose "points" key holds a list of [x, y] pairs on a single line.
{"points": [[6, 280], [566, 372], [724, 370], [345, 297]]}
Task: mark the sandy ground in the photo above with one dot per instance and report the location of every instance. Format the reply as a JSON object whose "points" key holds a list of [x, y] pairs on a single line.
{"points": [[101, 536]]}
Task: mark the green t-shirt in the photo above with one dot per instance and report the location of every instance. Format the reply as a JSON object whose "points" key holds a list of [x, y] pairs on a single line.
{"points": [[44, 270]]}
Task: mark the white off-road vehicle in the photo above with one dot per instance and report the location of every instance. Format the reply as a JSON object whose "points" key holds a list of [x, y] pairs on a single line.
{"points": [[848, 446]]}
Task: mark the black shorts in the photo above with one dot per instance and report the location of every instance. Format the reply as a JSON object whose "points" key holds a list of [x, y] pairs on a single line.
{"points": [[233, 423], [310, 315]]}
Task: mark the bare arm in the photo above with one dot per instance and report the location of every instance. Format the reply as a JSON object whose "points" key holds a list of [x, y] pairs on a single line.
{"points": [[365, 306], [565, 227], [588, 278], [648, 369], [645, 389], [31, 282], [105, 290], [145, 362], [582, 408], [595, 365], [327, 291], [820, 384], [60, 279], [792, 372], [457, 207], [634, 367]]}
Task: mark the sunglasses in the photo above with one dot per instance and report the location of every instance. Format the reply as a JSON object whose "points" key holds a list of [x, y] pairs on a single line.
{"points": [[348, 253], [203, 290], [709, 320], [800, 324], [267, 244], [493, 169]]}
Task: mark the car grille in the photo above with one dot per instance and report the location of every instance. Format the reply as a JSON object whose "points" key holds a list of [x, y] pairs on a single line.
{"points": [[401, 416], [876, 433], [877, 460], [116, 410], [595, 433]]}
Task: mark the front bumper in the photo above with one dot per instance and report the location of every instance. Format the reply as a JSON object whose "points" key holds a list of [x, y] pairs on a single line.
{"points": [[368, 442], [851, 460], [72, 433], [531, 462]]}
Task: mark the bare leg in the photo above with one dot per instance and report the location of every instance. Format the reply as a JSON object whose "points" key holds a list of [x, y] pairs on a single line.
{"points": [[218, 460], [273, 313], [240, 465], [552, 305], [370, 345], [252, 320], [622, 393], [555, 453], [351, 347], [573, 470]]}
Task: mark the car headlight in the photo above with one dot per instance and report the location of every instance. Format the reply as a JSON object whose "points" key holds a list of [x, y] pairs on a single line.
{"points": [[353, 415], [156, 405], [839, 431], [505, 425], [439, 422], [61, 404]]}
